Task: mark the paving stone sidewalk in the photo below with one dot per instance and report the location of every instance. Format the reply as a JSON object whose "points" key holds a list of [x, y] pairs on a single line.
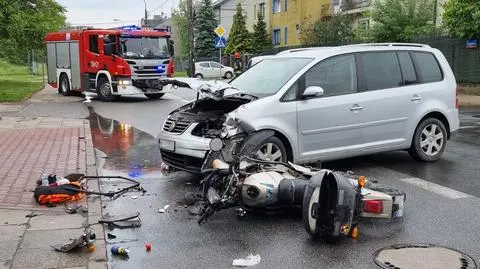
{"points": [[30, 146]]}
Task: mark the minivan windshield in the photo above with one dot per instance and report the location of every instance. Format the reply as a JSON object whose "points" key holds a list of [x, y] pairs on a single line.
{"points": [[268, 76]]}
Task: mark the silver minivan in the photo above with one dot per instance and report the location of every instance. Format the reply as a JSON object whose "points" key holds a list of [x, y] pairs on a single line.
{"points": [[326, 104]]}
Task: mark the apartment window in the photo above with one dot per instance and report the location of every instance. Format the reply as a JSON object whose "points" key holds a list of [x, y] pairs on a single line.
{"points": [[286, 35], [262, 9], [286, 5], [276, 37], [276, 6]]}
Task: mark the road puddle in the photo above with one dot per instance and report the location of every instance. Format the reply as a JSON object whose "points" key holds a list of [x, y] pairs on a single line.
{"points": [[124, 150]]}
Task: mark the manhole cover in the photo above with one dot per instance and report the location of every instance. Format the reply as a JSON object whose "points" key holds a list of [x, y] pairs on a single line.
{"points": [[422, 256]]}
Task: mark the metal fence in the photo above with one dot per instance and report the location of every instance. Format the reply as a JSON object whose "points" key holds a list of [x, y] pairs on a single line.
{"points": [[464, 62]]}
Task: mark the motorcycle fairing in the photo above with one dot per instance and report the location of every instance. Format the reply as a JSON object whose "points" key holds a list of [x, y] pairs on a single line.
{"points": [[329, 205]]}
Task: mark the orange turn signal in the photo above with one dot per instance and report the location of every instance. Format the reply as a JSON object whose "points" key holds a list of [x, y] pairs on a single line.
{"points": [[355, 232], [361, 181]]}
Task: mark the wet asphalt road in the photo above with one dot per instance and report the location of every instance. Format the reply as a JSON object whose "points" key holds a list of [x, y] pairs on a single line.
{"points": [[128, 144]]}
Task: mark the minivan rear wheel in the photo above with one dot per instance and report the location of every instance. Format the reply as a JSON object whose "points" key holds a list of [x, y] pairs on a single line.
{"points": [[429, 140]]}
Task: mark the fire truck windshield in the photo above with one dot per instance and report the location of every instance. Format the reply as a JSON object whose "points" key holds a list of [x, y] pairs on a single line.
{"points": [[134, 47]]}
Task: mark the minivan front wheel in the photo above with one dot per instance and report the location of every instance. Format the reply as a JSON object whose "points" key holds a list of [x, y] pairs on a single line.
{"points": [[429, 140], [271, 149]]}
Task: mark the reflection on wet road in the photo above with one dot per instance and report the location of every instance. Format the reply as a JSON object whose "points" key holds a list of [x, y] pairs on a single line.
{"points": [[126, 149], [281, 241]]}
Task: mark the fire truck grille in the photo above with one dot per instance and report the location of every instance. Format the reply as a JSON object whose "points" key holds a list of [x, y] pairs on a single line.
{"points": [[149, 70], [176, 126]]}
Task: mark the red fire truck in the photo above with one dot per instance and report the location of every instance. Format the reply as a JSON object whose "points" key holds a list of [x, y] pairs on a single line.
{"points": [[111, 62]]}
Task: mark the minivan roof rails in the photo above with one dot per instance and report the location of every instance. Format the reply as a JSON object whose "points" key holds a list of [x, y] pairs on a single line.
{"points": [[390, 45]]}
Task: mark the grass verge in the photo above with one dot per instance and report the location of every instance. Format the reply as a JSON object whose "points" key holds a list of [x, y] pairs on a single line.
{"points": [[16, 82], [469, 89], [179, 74]]}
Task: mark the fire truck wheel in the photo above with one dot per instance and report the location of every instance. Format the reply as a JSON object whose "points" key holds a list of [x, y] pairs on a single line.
{"points": [[154, 95], [64, 88], [104, 90]]}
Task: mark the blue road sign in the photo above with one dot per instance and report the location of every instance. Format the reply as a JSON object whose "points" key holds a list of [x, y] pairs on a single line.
{"points": [[220, 42]]}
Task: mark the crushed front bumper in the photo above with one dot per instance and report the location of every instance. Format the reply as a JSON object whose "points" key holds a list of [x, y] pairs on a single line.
{"points": [[184, 151]]}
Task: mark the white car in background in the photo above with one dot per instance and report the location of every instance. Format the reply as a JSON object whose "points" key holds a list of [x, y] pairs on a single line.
{"points": [[210, 69]]}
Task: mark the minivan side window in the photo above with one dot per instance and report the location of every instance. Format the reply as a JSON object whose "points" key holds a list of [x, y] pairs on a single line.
{"points": [[408, 70], [427, 67], [382, 70], [336, 75]]}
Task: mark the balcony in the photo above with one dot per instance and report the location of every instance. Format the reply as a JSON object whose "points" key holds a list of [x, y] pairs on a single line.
{"points": [[353, 6]]}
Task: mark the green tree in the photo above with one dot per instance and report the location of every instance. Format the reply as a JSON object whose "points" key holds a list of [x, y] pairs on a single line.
{"points": [[402, 20], [205, 24], [23, 25], [260, 38], [179, 18], [336, 30], [462, 18], [239, 37]]}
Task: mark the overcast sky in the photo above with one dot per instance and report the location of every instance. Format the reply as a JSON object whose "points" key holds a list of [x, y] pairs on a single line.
{"points": [[101, 13]]}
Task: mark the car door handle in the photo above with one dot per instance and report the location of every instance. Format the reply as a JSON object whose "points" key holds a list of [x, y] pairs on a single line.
{"points": [[356, 108], [416, 98]]}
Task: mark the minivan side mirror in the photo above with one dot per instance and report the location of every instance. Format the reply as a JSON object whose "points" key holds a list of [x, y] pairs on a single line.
{"points": [[313, 91]]}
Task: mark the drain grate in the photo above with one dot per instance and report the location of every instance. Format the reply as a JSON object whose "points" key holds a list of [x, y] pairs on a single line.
{"points": [[422, 256]]}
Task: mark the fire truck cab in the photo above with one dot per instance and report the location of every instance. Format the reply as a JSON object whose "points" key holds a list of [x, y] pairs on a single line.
{"points": [[110, 62]]}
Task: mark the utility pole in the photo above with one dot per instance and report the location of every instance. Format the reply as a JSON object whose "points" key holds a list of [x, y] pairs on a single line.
{"points": [[145, 21], [190, 39]]}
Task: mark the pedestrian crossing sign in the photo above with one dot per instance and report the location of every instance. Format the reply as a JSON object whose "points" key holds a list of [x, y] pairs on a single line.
{"points": [[220, 42]]}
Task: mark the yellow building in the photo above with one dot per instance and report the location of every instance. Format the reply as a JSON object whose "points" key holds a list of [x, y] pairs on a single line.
{"points": [[288, 16]]}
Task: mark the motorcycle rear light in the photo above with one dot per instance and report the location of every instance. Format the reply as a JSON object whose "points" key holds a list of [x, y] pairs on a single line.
{"points": [[373, 206]]}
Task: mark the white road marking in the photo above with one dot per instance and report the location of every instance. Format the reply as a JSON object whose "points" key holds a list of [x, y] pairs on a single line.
{"points": [[435, 188], [176, 97], [468, 127]]}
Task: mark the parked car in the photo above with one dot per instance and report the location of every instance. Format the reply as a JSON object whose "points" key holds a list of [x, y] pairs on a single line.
{"points": [[327, 104], [210, 69]]}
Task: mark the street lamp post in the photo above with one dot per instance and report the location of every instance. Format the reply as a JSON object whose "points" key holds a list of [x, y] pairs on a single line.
{"points": [[145, 21]]}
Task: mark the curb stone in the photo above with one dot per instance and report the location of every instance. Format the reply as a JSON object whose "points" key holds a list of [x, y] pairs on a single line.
{"points": [[98, 259]]}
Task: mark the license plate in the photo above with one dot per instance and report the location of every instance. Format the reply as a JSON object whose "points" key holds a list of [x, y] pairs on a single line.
{"points": [[399, 201], [167, 145]]}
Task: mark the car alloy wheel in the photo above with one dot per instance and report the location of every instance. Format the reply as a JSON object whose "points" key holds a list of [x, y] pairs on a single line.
{"points": [[270, 152], [431, 140]]}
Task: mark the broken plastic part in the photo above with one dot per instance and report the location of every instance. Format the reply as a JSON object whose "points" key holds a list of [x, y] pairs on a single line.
{"points": [[250, 260], [122, 221]]}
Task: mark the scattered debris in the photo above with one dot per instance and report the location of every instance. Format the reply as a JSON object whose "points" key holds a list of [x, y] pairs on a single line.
{"points": [[111, 236], [164, 209], [134, 197], [120, 250], [124, 221], [31, 215], [250, 260], [85, 239], [148, 246], [74, 209]]}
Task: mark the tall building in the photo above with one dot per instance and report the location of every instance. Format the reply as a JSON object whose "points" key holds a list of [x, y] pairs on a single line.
{"points": [[287, 17]]}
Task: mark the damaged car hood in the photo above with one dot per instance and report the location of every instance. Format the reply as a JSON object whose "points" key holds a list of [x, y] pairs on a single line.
{"points": [[215, 89]]}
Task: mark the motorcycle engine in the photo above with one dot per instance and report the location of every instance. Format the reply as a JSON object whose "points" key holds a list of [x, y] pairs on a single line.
{"points": [[261, 189]]}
